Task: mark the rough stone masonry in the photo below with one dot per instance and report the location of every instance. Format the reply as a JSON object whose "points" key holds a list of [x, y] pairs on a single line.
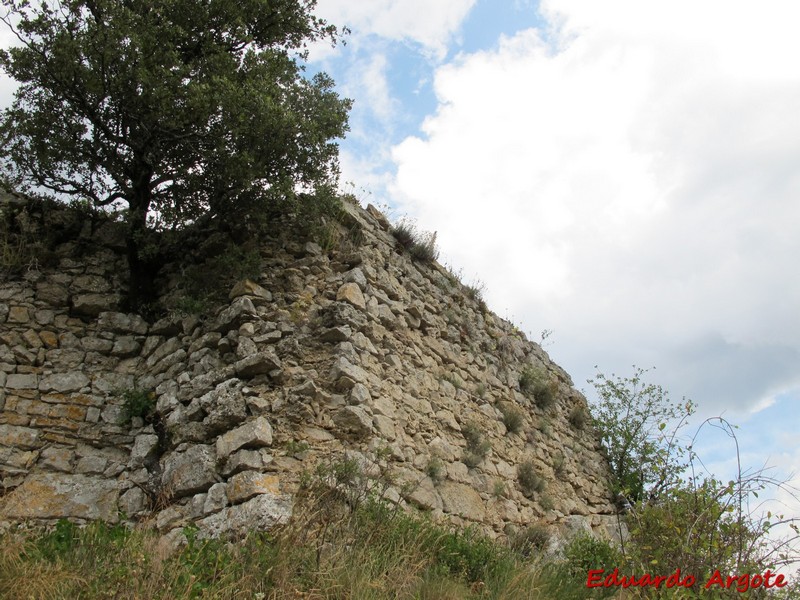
{"points": [[356, 351]]}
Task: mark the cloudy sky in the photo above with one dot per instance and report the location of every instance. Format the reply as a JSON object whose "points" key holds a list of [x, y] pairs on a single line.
{"points": [[625, 174]]}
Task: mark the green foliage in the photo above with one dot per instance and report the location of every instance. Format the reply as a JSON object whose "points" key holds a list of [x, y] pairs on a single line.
{"points": [[424, 249], [578, 417], [567, 579], [454, 380], [138, 403], [559, 464], [435, 469], [536, 385], [513, 418], [18, 246], [420, 246], [697, 528], [180, 108], [527, 380], [405, 233], [530, 481], [531, 540], [294, 447], [638, 426], [206, 283], [477, 445]]}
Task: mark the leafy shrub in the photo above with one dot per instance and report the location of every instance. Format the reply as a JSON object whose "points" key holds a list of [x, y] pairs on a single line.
{"points": [[559, 464], [586, 552], [527, 380], [532, 539], [477, 446], [499, 489], [421, 246], [405, 233], [530, 482], [513, 418], [424, 249], [207, 282], [138, 403], [578, 417], [631, 418], [454, 380], [435, 469], [544, 394]]}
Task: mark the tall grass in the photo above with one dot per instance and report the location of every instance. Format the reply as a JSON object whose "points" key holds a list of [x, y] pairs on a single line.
{"points": [[371, 553]]}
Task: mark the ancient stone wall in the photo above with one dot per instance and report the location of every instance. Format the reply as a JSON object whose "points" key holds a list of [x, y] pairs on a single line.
{"points": [[357, 351]]}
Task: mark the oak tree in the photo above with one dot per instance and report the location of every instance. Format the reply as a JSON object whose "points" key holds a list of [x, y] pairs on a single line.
{"points": [[175, 108]]}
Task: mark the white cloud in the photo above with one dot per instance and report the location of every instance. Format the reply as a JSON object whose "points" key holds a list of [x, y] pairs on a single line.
{"points": [[431, 23], [628, 179]]}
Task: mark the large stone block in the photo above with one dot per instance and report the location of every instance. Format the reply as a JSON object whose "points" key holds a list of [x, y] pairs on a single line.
{"points": [[263, 512], [62, 496], [247, 484], [15, 436], [350, 292], [460, 499], [255, 434], [190, 472], [262, 363], [63, 382]]}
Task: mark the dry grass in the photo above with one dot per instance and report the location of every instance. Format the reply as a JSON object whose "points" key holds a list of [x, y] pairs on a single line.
{"points": [[329, 551]]}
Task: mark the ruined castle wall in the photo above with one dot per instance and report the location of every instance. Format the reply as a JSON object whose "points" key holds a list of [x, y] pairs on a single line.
{"points": [[355, 351]]}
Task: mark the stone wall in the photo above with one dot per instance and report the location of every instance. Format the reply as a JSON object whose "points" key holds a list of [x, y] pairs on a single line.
{"points": [[357, 351]]}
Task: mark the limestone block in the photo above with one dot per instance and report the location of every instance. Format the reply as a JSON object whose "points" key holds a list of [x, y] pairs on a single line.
{"points": [[22, 381], [216, 499], [253, 460], [247, 484], [461, 500], [351, 292], [258, 295], [359, 394], [133, 502], [261, 363], [190, 472], [254, 434], [346, 374], [207, 340], [61, 496], [425, 496], [51, 293], [333, 335], [356, 276], [63, 382], [385, 427], [49, 339], [225, 406], [91, 305], [18, 314], [353, 421], [125, 347], [245, 347], [117, 322], [261, 513], [239, 311], [57, 459], [90, 283], [145, 449], [383, 406], [20, 437]]}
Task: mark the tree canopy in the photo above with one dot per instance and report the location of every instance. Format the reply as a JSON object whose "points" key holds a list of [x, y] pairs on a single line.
{"points": [[179, 107]]}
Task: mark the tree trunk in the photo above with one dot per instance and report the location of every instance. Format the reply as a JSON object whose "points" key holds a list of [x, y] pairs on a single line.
{"points": [[143, 263]]}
